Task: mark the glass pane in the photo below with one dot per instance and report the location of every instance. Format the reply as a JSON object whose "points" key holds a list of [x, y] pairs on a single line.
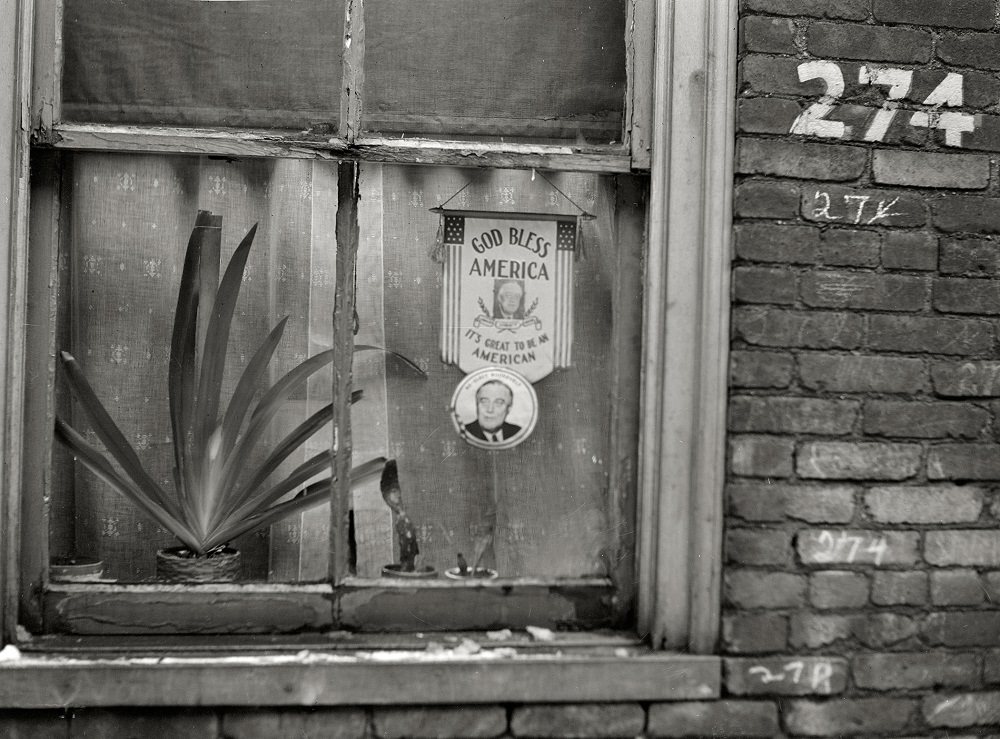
{"points": [[537, 500], [540, 69], [131, 218], [267, 63]]}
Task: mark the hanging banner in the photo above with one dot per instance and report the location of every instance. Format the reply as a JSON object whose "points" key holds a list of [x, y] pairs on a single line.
{"points": [[508, 291]]}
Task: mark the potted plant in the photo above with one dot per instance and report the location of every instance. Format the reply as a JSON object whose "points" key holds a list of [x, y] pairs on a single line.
{"points": [[463, 572], [221, 487], [406, 532]]}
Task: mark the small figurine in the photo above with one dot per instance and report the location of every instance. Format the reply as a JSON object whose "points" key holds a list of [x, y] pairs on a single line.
{"points": [[406, 532]]}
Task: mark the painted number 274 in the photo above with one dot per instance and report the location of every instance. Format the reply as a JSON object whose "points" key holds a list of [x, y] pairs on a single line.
{"points": [[813, 120]]}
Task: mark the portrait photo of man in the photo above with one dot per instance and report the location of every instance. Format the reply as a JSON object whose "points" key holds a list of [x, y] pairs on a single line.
{"points": [[493, 402], [508, 299]]}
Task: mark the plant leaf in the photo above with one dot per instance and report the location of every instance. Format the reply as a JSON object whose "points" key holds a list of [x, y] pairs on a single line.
{"points": [[99, 465], [295, 439], [247, 386], [396, 355], [210, 460], [181, 369], [111, 436], [313, 494]]}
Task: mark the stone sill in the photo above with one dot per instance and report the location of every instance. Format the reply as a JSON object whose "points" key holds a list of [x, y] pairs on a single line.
{"points": [[372, 677]]}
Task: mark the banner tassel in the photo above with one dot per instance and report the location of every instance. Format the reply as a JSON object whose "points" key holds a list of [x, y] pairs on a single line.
{"points": [[437, 252], [579, 251]]}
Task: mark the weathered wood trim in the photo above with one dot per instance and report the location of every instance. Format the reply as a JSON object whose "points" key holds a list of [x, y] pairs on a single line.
{"points": [[353, 78], [612, 159], [318, 679], [445, 605], [46, 95], [187, 609], [683, 433], [640, 24], [15, 85]]}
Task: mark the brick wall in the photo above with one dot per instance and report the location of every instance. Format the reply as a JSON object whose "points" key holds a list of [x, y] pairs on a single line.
{"points": [[862, 542]]}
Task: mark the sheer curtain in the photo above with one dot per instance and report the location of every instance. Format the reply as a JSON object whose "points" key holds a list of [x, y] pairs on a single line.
{"points": [[131, 217]]}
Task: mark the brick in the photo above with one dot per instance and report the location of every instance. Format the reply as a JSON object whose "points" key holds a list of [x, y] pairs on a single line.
{"points": [[785, 675], [760, 369], [909, 250], [899, 588], [924, 420], [784, 328], [845, 460], [771, 242], [766, 115], [959, 295], [792, 415], [776, 502], [848, 716], [802, 160], [925, 504], [714, 718], [979, 50], [985, 136], [759, 547], [838, 589], [861, 374], [843, 247], [760, 456], [963, 628], [980, 90], [37, 724], [970, 257], [769, 35], [966, 379], [434, 722], [842, 9], [862, 207], [964, 462], [967, 709], [952, 14], [764, 285], [927, 169], [956, 588], [578, 720], [885, 630], [914, 670], [747, 588], [122, 723], [991, 666], [991, 583], [931, 335], [963, 547], [864, 290], [754, 633], [857, 547], [869, 43], [763, 199], [812, 631], [966, 213], [777, 75], [300, 723]]}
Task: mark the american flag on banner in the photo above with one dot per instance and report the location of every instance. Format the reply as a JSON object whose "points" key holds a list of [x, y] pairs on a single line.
{"points": [[508, 291]]}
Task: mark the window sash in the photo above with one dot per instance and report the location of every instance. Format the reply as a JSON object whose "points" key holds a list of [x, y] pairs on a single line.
{"points": [[693, 122]]}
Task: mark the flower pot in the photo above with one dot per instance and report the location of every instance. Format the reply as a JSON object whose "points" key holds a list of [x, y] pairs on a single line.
{"points": [[76, 569], [396, 570], [177, 564], [479, 573]]}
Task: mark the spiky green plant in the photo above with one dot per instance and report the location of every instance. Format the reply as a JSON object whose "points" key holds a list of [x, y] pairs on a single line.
{"points": [[220, 476]]}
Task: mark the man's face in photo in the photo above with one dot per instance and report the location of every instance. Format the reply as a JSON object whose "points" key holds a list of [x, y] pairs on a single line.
{"points": [[509, 296], [492, 405]]}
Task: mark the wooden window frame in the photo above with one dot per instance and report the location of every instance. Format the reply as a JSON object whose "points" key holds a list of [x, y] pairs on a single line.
{"points": [[682, 99]]}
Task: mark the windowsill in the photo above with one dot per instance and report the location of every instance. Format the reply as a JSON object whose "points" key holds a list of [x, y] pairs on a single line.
{"points": [[466, 668]]}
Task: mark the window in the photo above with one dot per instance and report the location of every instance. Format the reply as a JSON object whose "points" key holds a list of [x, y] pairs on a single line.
{"points": [[326, 149]]}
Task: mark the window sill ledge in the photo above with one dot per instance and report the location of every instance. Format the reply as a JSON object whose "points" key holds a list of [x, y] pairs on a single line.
{"points": [[381, 677]]}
